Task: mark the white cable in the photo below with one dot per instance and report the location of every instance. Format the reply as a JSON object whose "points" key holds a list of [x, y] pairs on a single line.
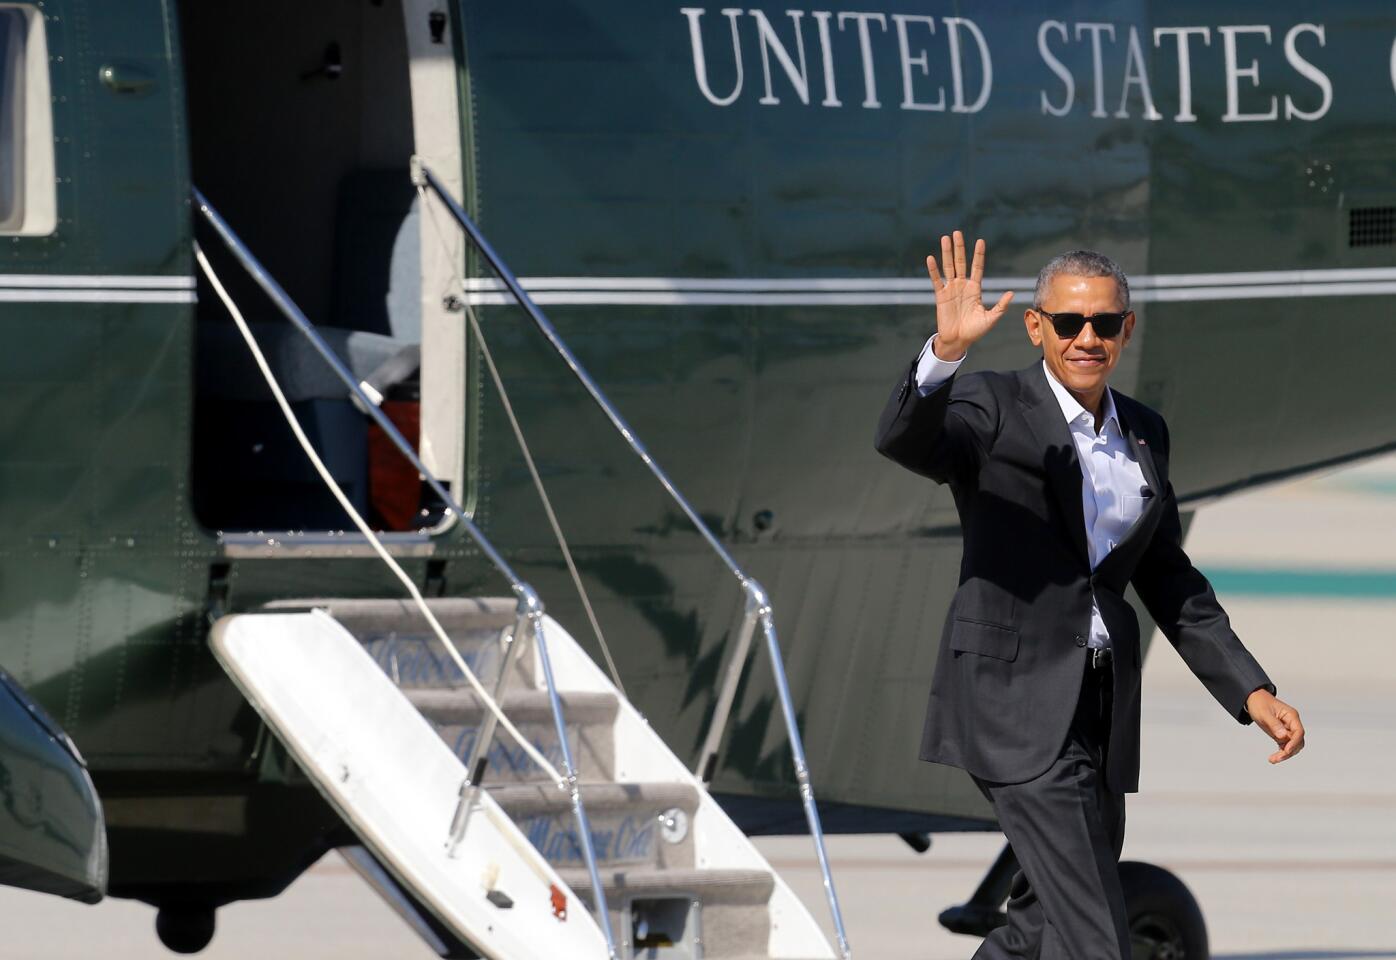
{"points": [[364, 528], [523, 446]]}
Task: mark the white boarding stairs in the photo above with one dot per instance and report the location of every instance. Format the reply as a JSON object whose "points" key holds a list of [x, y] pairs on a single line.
{"points": [[365, 698]]}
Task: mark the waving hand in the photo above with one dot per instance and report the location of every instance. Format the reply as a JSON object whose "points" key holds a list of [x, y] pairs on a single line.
{"points": [[961, 319]]}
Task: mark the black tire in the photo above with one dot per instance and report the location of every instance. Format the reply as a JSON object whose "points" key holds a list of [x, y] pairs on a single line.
{"points": [[185, 928], [1165, 922]]}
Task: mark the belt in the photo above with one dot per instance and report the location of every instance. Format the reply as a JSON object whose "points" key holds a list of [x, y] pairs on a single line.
{"points": [[1100, 658]]}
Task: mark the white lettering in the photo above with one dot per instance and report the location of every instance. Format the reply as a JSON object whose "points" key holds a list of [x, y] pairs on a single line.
{"points": [[1135, 73], [870, 100], [1059, 68], [1308, 71], [826, 49], [1234, 73], [1095, 30], [1184, 35], [769, 42], [700, 63], [1060, 43], [957, 73], [909, 101]]}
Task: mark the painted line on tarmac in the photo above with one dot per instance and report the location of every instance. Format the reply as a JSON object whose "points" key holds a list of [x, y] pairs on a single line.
{"points": [[1299, 582]]}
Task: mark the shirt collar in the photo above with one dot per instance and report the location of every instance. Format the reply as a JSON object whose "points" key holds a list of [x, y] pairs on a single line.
{"points": [[1072, 409]]}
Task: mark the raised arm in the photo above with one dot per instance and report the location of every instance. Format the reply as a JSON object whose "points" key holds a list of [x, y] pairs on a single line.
{"points": [[961, 319], [932, 424]]}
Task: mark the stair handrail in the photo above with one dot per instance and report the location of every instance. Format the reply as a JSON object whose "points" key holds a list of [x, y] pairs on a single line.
{"points": [[529, 609], [758, 608]]}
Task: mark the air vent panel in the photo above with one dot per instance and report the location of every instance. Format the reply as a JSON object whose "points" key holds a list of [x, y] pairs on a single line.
{"points": [[1372, 227]]}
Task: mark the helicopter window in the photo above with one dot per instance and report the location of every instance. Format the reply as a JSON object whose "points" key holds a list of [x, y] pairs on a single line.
{"points": [[27, 201]]}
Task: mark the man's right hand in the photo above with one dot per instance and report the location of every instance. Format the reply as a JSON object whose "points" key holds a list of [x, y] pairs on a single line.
{"points": [[961, 319]]}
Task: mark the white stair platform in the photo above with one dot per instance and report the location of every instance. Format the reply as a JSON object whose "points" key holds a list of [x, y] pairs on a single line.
{"points": [[395, 782]]}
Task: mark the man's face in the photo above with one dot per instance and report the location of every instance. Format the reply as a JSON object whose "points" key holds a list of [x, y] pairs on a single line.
{"points": [[1082, 363]]}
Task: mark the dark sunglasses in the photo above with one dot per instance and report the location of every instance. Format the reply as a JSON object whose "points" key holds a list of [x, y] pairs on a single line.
{"points": [[1068, 325]]}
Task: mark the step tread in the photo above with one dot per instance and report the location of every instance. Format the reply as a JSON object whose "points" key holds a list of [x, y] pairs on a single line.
{"points": [[725, 885], [460, 704], [524, 799], [402, 615]]}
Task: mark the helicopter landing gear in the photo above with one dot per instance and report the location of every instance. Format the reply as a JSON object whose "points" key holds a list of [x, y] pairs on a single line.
{"points": [[185, 927], [1165, 922]]}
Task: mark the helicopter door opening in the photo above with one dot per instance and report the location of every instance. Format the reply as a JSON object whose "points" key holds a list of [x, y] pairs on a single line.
{"points": [[301, 129]]}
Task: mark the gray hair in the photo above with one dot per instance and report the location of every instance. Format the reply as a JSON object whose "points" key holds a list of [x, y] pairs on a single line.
{"points": [[1080, 263]]}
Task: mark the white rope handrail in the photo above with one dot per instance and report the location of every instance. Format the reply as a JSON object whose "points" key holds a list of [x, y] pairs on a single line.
{"points": [[304, 441]]}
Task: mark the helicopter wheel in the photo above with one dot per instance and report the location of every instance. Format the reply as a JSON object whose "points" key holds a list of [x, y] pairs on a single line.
{"points": [[1165, 922], [185, 928]]}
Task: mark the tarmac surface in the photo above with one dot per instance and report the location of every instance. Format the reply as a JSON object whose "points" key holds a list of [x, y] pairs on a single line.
{"points": [[1292, 862]]}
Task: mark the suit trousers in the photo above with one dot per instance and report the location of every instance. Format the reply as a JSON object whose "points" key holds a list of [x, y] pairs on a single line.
{"points": [[1066, 828]]}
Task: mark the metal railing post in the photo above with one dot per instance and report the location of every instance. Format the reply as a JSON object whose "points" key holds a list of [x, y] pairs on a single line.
{"points": [[479, 751], [569, 770], [707, 757], [797, 751]]}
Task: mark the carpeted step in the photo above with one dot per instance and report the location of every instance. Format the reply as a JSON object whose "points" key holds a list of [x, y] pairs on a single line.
{"points": [[734, 915], [457, 715], [633, 825], [749, 887], [400, 640]]}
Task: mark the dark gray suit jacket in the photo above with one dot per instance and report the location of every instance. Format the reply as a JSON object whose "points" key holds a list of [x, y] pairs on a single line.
{"points": [[1013, 649]]}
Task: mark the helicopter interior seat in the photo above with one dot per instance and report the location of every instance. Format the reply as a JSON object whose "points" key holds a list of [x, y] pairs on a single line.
{"points": [[376, 225], [256, 477]]}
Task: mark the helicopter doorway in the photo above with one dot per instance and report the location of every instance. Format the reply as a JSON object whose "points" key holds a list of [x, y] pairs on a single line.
{"points": [[301, 129]]}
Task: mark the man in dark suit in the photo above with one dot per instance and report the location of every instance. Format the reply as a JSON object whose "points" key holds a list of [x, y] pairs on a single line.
{"points": [[1062, 489]]}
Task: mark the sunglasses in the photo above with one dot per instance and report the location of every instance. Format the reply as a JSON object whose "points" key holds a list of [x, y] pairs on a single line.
{"points": [[1106, 325]]}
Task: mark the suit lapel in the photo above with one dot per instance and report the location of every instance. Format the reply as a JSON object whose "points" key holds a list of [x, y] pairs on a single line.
{"points": [[1063, 469], [1139, 450]]}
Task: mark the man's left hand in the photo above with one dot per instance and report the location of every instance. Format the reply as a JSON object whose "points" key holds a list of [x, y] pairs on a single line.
{"points": [[1279, 720]]}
